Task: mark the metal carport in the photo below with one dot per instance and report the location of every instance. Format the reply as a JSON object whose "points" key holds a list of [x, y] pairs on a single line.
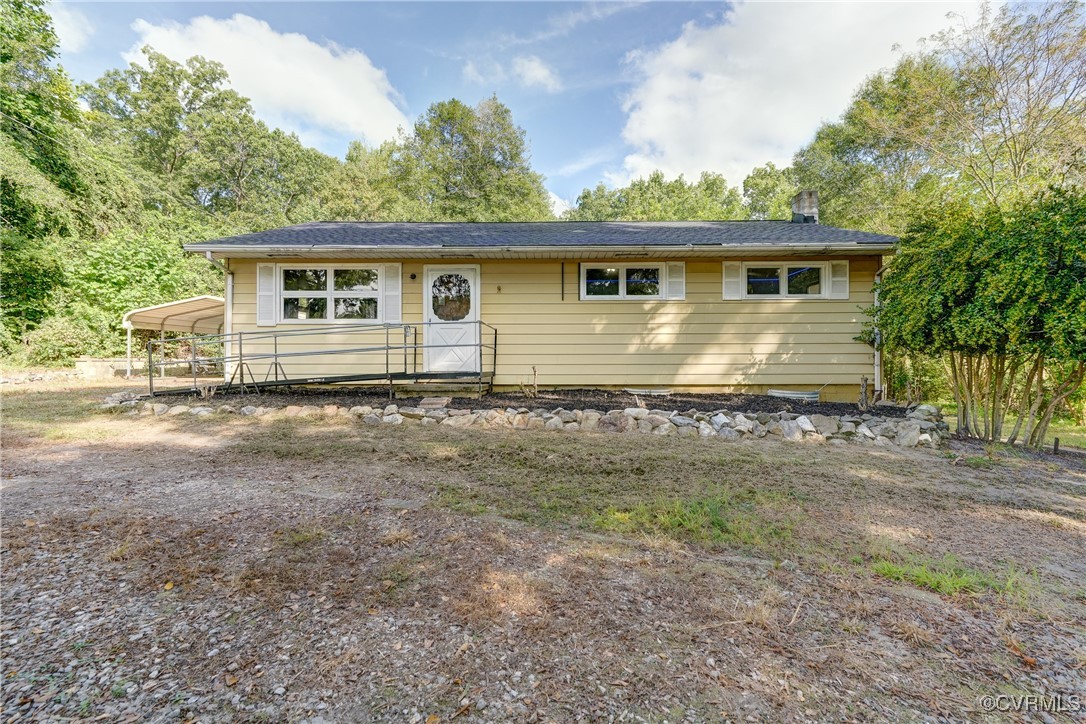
{"points": [[193, 316]]}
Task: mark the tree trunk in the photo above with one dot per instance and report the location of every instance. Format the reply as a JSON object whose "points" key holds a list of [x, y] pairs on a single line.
{"points": [[1061, 393]]}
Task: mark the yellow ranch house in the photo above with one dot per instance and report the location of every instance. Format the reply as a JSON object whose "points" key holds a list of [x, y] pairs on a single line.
{"points": [[738, 306]]}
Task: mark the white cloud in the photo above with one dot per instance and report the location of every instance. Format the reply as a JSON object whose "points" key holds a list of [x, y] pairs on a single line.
{"points": [[481, 72], [753, 88], [471, 73], [316, 89], [589, 159], [562, 24], [531, 71], [72, 27], [558, 205]]}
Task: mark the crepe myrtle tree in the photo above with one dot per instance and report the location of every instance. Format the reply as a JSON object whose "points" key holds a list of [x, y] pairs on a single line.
{"points": [[1000, 296]]}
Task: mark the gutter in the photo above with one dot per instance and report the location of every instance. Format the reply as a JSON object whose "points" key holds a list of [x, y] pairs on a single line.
{"points": [[391, 250]]}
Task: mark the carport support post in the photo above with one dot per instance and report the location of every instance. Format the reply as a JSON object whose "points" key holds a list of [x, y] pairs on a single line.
{"points": [[151, 367], [128, 350]]}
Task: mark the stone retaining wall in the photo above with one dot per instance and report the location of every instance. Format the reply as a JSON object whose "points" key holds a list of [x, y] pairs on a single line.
{"points": [[922, 425]]}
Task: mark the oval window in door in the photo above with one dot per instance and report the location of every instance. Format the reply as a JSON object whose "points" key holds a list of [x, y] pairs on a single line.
{"points": [[450, 296]]}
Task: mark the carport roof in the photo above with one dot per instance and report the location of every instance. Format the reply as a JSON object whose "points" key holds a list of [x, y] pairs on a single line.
{"points": [[196, 315]]}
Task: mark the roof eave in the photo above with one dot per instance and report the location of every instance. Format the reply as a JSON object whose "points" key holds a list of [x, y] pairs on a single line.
{"points": [[420, 251]]}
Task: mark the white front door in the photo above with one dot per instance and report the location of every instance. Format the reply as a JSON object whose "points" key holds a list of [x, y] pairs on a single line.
{"points": [[451, 310]]}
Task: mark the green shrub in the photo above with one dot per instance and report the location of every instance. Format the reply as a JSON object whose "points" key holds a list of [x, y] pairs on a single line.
{"points": [[58, 341]]}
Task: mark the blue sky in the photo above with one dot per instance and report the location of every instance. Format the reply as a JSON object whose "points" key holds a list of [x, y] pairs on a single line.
{"points": [[606, 91]]}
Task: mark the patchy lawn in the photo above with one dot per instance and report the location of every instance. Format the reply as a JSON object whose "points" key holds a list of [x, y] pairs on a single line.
{"points": [[229, 568]]}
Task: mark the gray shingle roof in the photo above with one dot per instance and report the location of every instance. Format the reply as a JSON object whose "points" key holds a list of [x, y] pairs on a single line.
{"points": [[568, 234]]}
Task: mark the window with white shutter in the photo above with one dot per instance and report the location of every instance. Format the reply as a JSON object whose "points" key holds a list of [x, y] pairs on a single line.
{"points": [[333, 293], [676, 280], [839, 279], [266, 297], [392, 298], [733, 280]]}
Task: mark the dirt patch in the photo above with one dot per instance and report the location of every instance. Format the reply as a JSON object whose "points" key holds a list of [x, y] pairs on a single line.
{"points": [[244, 569]]}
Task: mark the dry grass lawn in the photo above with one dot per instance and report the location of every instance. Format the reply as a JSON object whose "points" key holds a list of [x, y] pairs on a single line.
{"points": [[229, 568]]}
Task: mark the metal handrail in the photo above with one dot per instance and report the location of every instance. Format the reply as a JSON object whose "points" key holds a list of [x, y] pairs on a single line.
{"points": [[240, 360]]}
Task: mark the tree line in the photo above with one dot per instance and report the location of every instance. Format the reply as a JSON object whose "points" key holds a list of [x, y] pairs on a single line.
{"points": [[972, 150]]}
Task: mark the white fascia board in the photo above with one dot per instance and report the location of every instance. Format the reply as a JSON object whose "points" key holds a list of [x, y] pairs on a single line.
{"points": [[396, 251]]}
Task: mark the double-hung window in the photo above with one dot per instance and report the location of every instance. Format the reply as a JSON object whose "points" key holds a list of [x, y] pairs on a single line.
{"points": [[623, 281], [329, 293]]}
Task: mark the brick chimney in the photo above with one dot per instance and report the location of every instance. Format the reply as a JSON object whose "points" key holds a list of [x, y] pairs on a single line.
{"points": [[805, 207]]}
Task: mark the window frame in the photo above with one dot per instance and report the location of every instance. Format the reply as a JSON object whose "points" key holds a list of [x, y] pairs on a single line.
{"points": [[330, 295], [661, 267], [782, 266]]}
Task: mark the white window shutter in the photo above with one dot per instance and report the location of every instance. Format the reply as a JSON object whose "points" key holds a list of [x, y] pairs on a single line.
{"points": [[392, 295], [676, 280], [733, 280], [266, 295], [838, 280]]}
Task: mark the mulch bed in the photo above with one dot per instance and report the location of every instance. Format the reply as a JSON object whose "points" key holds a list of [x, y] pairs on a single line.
{"points": [[569, 399]]}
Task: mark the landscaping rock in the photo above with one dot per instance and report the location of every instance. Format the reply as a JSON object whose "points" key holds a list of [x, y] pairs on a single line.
{"points": [[791, 431], [666, 429], [565, 415], [925, 412], [460, 421], [825, 424], [908, 435], [615, 422], [720, 420], [728, 435], [742, 423], [730, 426]]}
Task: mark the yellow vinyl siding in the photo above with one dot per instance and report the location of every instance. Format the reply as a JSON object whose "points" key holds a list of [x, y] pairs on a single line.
{"points": [[702, 341]]}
